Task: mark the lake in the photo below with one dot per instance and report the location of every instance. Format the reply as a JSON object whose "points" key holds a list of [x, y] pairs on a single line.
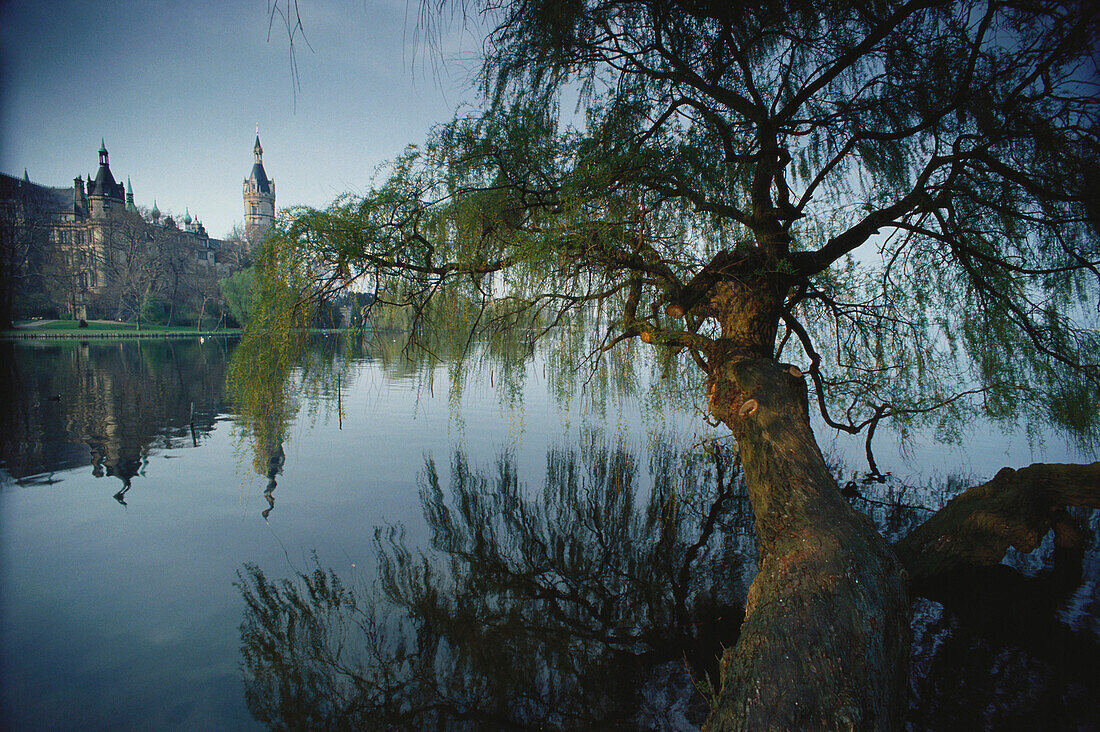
{"points": [[393, 549]]}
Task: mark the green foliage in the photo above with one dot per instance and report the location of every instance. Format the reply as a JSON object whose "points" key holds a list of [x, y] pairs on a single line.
{"points": [[153, 310], [259, 382], [236, 290], [903, 190]]}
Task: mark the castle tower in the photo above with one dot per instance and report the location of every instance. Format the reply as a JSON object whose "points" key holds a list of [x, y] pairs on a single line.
{"points": [[104, 194], [259, 199]]}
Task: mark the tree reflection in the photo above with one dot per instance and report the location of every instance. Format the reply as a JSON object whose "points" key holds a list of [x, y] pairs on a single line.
{"points": [[603, 598], [1013, 641], [267, 386], [591, 602]]}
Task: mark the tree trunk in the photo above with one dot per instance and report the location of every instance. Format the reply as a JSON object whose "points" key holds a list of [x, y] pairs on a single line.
{"points": [[825, 640]]}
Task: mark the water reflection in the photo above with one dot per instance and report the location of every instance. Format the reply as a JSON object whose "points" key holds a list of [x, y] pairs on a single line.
{"points": [[111, 405], [105, 404], [267, 390], [603, 598], [599, 600], [1001, 648], [599, 582]]}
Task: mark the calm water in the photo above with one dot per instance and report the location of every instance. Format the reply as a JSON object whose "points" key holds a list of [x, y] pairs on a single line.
{"points": [[403, 545]]}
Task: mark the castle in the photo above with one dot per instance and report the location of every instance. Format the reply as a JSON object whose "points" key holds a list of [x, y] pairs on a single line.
{"points": [[92, 227]]}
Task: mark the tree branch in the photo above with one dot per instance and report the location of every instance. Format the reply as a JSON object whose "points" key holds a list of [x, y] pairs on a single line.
{"points": [[1014, 509]]}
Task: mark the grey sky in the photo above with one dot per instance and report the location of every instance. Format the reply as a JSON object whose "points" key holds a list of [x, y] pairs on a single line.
{"points": [[175, 89]]}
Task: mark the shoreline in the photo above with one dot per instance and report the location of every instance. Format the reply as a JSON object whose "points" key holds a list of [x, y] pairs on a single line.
{"points": [[18, 335]]}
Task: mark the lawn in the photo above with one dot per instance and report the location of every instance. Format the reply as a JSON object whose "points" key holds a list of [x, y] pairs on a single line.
{"points": [[67, 326]]}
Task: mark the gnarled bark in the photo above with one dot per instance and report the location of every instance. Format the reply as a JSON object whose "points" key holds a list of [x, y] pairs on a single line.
{"points": [[826, 634], [1017, 508]]}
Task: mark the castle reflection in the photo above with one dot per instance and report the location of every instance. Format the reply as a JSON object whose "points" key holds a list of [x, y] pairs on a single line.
{"points": [[107, 405]]}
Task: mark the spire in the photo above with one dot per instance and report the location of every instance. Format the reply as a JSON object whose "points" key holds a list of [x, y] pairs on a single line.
{"points": [[187, 217], [26, 178], [259, 179], [129, 188], [102, 152], [155, 213], [130, 196]]}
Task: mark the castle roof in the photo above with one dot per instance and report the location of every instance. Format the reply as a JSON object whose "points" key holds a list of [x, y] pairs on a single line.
{"points": [[104, 184], [50, 199], [259, 177]]}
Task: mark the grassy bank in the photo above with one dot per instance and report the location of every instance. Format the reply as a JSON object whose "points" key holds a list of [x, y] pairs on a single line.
{"points": [[105, 329]]}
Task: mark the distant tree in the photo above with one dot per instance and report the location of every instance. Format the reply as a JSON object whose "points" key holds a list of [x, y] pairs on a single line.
{"points": [[133, 263], [29, 255], [175, 259], [235, 254], [236, 291], [206, 296], [900, 196]]}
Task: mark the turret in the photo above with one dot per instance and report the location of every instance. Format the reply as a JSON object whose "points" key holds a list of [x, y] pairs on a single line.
{"points": [[104, 193], [80, 201], [130, 196]]}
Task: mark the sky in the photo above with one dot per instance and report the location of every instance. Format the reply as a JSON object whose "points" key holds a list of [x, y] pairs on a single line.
{"points": [[175, 90]]}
